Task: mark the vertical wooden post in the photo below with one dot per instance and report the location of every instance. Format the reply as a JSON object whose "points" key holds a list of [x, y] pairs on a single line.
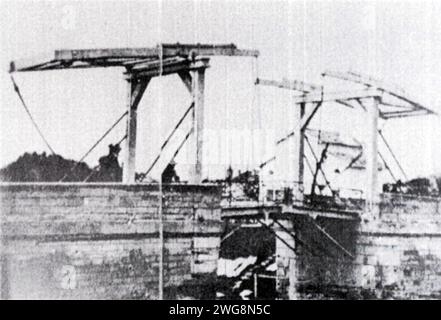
{"points": [[194, 80], [130, 155], [289, 159], [371, 146], [198, 86], [299, 150], [135, 90]]}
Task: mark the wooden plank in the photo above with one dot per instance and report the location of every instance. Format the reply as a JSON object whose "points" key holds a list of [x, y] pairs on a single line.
{"points": [[258, 211]]}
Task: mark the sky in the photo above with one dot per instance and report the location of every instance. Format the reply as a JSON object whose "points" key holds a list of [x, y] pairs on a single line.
{"points": [[398, 42]]}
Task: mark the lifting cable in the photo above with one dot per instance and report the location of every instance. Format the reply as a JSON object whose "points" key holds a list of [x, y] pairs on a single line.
{"points": [[263, 164], [308, 164], [94, 146], [358, 156], [277, 236], [143, 175], [353, 161], [296, 238], [281, 140], [308, 247], [334, 241], [17, 90], [392, 153], [182, 143], [387, 167]]}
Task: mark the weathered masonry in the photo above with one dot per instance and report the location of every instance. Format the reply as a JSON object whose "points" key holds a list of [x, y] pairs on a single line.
{"points": [[393, 251], [396, 253], [379, 245], [101, 241]]}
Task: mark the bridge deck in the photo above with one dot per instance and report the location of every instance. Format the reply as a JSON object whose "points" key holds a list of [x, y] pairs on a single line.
{"points": [[281, 211]]}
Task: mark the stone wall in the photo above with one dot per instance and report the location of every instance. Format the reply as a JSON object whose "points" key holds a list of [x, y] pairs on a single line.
{"points": [[394, 252], [101, 241], [400, 252]]}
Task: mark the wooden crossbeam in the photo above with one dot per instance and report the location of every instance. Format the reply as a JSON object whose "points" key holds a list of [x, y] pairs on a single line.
{"points": [[65, 59], [380, 86], [403, 114], [297, 85], [336, 96], [168, 50], [306, 120], [289, 85]]}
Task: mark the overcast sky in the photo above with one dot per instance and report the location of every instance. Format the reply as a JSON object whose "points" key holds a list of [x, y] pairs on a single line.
{"points": [[398, 42]]}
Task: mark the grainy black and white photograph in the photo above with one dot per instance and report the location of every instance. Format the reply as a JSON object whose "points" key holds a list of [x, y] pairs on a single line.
{"points": [[220, 150]]}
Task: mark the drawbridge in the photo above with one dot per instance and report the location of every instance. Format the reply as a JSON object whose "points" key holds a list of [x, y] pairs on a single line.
{"points": [[375, 99], [291, 208]]}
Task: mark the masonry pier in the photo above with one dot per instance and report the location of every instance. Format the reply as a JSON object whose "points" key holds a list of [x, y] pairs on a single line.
{"points": [[100, 241]]}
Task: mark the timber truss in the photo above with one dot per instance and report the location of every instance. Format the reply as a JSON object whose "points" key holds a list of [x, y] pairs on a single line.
{"points": [[188, 61], [375, 98], [125, 57], [393, 102]]}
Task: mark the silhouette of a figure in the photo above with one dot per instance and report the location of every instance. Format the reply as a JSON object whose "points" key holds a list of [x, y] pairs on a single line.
{"points": [[110, 169], [169, 175]]}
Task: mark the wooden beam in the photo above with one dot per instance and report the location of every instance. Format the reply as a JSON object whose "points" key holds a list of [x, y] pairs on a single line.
{"points": [[199, 87], [168, 50], [373, 83], [153, 68], [403, 114], [207, 50], [306, 122], [186, 79], [371, 147], [344, 103], [337, 95], [138, 88], [135, 89], [289, 85], [168, 66], [277, 212], [363, 80], [123, 56]]}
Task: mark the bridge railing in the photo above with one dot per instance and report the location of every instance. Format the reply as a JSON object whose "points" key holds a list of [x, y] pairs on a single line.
{"points": [[278, 192]]}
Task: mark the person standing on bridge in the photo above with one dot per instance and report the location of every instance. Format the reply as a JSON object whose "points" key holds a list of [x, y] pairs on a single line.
{"points": [[109, 168], [169, 175]]}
